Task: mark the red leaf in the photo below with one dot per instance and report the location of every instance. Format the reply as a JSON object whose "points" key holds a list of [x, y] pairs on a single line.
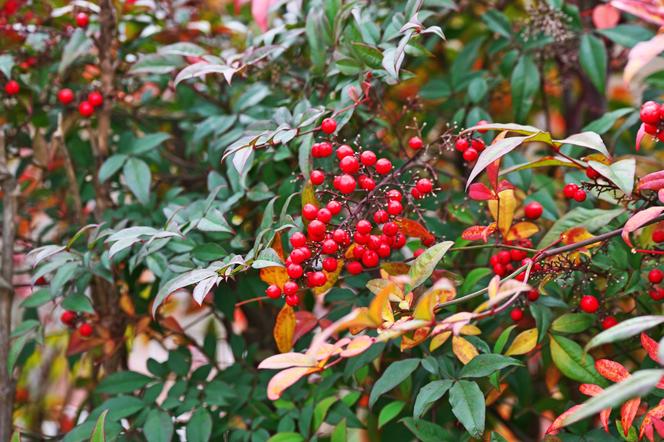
{"points": [[304, 322], [652, 181], [647, 10], [647, 422], [639, 220], [650, 345], [640, 134], [479, 192], [611, 370], [605, 16], [413, 229], [590, 389], [628, 413], [259, 10], [476, 233], [560, 420], [604, 416]]}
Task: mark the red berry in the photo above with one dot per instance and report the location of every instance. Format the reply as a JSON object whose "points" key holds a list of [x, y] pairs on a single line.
{"points": [[570, 190], [416, 193], [532, 295], [504, 257], [294, 271], [477, 144], [381, 216], [290, 288], [650, 129], [309, 211], [517, 255], [65, 96], [390, 229], [317, 177], [367, 183], [470, 155], [658, 236], [499, 269], [86, 109], [462, 144], [298, 255], [368, 158], [482, 123], [330, 264], [399, 240], [650, 112], [418, 252], [298, 239], [370, 258], [428, 241], [415, 143], [493, 260], [580, 195], [656, 276], [349, 164], [383, 166], [424, 185], [589, 304], [346, 184], [317, 279], [316, 229], [394, 207], [533, 210], [358, 251], [374, 242], [85, 330], [12, 87], [516, 314], [521, 276], [609, 322], [334, 207], [68, 317], [324, 215], [656, 293], [592, 173], [324, 149], [344, 151], [328, 125], [340, 236], [384, 251], [354, 267], [273, 291], [315, 150], [293, 300], [82, 20], [363, 226], [394, 194], [95, 98], [361, 238], [330, 246]]}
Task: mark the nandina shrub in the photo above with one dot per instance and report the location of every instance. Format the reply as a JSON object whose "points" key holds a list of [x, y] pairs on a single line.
{"points": [[331, 220]]}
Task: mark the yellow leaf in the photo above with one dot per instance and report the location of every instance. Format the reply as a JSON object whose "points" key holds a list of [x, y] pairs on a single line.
{"points": [[471, 330], [425, 306], [523, 343], [503, 209], [308, 197], [284, 329], [395, 268], [418, 337], [274, 275], [439, 340], [332, 278], [522, 230], [379, 309], [464, 350]]}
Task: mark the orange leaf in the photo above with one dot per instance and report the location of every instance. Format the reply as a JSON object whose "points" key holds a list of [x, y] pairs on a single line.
{"points": [[285, 378], [278, 246], [439, 340], [284, 329], [628, 413], [476, 233], [274, 275], [611, 370], [650, 345], [560, 420], [418, 337], [646, 425], [413, 229], [357, 346], [503, 210], [590, 389], [522, 230], [425, 306], [332, 278], [379, 308], [463, 350]]}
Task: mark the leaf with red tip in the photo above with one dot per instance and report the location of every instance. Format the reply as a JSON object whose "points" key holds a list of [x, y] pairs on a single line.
{"points": [[652, 181], [287, 360], [285, 378], [647, 422], [559, 423], [628, 413], [480, 192], [638, 220], [650, 345], [413, 229], [590, 389], [304, 322], [357, 346], [611, 370], [639, 135], [476, 233]]}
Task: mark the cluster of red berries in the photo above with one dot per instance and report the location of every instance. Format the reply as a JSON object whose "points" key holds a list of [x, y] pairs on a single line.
{"points": [[652, 116], [572, 191], [503, 262], [656, 276], [517, 313], [590, 304], [70, 319], [87, 107], [361, 242], [471, 146]]}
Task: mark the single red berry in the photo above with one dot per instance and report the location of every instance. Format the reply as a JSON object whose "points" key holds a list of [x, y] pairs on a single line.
{"points": [[330, 264], [347, 184], [428, 241], [293, 300], [390, 229], [399, 240], [504, 257], [358, 251], [592, 173], [609, 322], [298, 255], [317, 279], [517, 255], [521, 276], [415, 143], [370, 258], [354, 267], [499, 269], [389, 240], [344, 151], [12, 87], [368, 158], [294, 271], [65, 96], [658, 236], [532, 295], [349, 164], [660, 136], [650, 129], [656, 276], [493, 260], [324, 215], [316, 229], [589, 304], [418, 252], [86, 109], [330, 246], [394, 207], [374, 242], [315, 150], [309, 211], [477, 144], [361, 238], [570, 190], [533, 210], [68, 317], [656, 293], [290, 288], [649, 112], [85, 330], [363, 226], [470, 155], [394, 194], [384, 250], [334, 207], [317, 177], [273, 291], [298, 239], [95, 98], [324, 149], [482, 123], [383, 166], [516, 314], [381, 216], [424, 185], [328, 125], [416, 193], [82, 20], [340, 236], [367, 183], [462, 144], [580, 195]]}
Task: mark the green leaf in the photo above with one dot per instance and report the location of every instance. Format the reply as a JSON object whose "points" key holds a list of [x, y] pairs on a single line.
{"points": [[78, 45], [525, 83], [620, 173], [502, 339], [497, 22], [137, 175], [396, 373], [473, 278], [593, 60], [467, 403], [589, 140], [98, 432], [370, 55], [389, 412], [543, 316], [314, 29], [6, 65], [608, 120], [15, 351], [320, 411], [199, 427], [339, 433], [429, 394], [477, 89], [627, 35], [591, 219], [40, 297], [158, 426], [625, 329], [111, 166], [573, 362], [572, 322], [286, 437], [426, 431], [639, 384], [498, 150], [146, 143], [24, 327], [182, 48], [485, 364], [425, 264], [156, 64], [78, 302], [123, 382]]}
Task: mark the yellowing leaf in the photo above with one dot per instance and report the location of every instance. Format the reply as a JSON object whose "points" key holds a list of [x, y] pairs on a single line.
{"points": [[439, 340], [332, 278], [471, 330], [464, 350], [285, 378], [284, 329], [418, 337], [425, 306], [522, 230], [357, 346], [274, 275], [379, 309], [523, 343], [395, 268], [503, 210]]}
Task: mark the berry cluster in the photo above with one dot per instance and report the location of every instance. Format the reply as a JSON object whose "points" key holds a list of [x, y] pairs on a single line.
{"points": [[656, 276], [517, 313], [87, 107], [590, 304], [506, 261], [652, 116], [359, 233], [71, 319], [572, 191]]}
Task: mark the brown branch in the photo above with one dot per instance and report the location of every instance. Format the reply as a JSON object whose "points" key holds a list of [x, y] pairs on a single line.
{"points": [[58, 142]]}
